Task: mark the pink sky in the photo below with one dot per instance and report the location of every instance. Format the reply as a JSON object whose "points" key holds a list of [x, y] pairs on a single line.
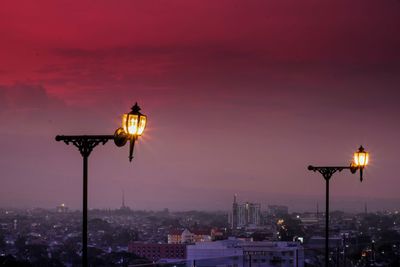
{"points": [[241, 96]]}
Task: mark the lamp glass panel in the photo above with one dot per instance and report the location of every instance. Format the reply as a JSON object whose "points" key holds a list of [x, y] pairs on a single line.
{"points": [[361, 159], [124, 119], [142, 124], [356, 161], [130, 123], [366, 158]]}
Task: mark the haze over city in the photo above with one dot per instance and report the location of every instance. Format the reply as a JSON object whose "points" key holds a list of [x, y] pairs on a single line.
{"points": [[240, 96]]}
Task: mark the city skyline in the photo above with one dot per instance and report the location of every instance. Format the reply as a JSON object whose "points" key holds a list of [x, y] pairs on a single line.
{"points": [[240, 98]]}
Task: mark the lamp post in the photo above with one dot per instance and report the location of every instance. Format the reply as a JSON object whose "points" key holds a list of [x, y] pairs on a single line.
{"points": [[360, 160], [133, 125]]}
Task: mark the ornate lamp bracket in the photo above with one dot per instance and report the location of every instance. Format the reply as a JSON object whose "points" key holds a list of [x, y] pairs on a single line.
{"points": [[327, 172], [85, 143]]}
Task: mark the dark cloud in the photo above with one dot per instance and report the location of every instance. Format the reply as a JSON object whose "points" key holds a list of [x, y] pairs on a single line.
{"points": [[27, 97]]}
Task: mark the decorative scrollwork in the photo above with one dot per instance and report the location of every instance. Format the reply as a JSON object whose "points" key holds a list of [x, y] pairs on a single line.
{"points": [[327, 172], [85, 143]]}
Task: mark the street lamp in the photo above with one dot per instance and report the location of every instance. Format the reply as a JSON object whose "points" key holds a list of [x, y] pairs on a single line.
{"points": [[133, 125], [360, 161]]}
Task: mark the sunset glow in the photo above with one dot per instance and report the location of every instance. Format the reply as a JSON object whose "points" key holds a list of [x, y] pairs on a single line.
{"points": [[240, 97]]}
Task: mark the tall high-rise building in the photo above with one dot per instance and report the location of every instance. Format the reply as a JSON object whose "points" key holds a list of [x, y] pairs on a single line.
{"points": [[244, 214], [235, 209]]}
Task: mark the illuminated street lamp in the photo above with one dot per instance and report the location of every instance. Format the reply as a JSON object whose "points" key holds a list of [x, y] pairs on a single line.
{"points": [[360, 161], [133, 125]]}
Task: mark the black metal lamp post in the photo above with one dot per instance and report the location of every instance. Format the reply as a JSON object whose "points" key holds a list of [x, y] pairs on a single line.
{"points": [[133, 125], [360, 160]]}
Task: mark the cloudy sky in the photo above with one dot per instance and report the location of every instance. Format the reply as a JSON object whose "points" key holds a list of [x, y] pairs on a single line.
{"points": [[241, 97]]}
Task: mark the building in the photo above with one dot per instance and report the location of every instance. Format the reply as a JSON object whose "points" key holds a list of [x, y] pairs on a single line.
{"points": [[309, 220], [249, 214], [244, 214], [216, 234], [266, 253], [175, 237], [154, 252], [238, 253], [234, 216], [219, 253], [186, 236], [201, 236]]}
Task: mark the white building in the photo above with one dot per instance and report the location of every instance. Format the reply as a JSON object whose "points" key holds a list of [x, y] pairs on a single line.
{"points": [[238, 253], [249, 213], [266, 253], [219, 253], [244, 214]]}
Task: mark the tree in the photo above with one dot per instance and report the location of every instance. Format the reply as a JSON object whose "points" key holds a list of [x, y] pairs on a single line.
{"points": [[290, 228], [123, 236], [20, 244], [10, 261]]}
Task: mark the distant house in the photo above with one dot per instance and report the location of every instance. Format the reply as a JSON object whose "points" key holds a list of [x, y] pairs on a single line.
{"points": [[175, 237], [201, 236], [186, 236], [216, 234]]}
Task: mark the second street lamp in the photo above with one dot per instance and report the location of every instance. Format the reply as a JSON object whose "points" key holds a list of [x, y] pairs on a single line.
{"points": [[133, 125], [360, 161]]}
